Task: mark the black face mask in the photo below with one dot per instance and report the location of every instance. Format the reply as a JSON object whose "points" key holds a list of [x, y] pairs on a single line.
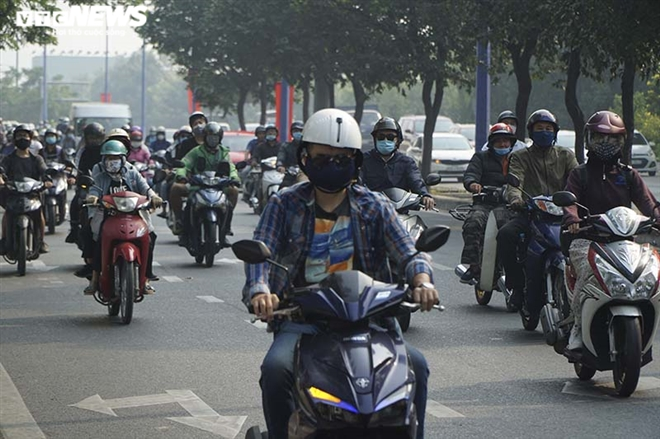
{"points": [[330, 173], [22, 143]]}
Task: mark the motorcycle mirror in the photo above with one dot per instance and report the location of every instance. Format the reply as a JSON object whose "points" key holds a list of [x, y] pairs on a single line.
{"points": [[432, 179], [84, 182], [564, 198], [513, 180], [250, 251], [432, 238], [52, 172], [69, 164], [223, 169], [241, 165], [176, 163], [159, 159], [159, 176]]}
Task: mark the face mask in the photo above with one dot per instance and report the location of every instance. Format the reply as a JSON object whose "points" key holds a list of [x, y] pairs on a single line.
{"points": [[212, 141], [385, 147], [605, 151], [22, 144], [198, 130], [113, 166], [271, 137], [51, 140], [502, 151], [543, 139], [136, 144], [330, 177], [160, 137], [70, 136], [297, 135]]}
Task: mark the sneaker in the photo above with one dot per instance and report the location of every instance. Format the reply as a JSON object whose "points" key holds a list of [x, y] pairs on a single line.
{"points": [[148, 289], [85, 271], [467, 276], [575, 340], [44, 248], [230, 232], [226, 243], [152, 277], [72, 237], [90, 289], [3, 251]]}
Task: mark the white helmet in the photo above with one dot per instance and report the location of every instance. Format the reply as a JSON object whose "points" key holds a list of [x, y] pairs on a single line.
{"points": [[333, 127]]}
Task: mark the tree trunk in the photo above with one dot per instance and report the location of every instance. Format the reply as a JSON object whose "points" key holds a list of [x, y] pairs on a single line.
{"points": [[627, 91], [360, 99], [521, 58], [321, 93], [263, 100], [240, 107], [305, 103], [572, 104], [331, 92], [431, 111]]}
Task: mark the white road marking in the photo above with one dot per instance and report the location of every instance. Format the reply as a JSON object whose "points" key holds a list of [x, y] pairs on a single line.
{"points": [[229, 261], [442, 267], [438, 410], [35, 265], [210, 299], [604, 387], [258, 324], [202, 415], [16, 422], [156, 264], [173, 278]]}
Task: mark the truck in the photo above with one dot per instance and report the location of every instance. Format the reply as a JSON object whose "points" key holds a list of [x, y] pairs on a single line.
{"points": [[107, 114]]}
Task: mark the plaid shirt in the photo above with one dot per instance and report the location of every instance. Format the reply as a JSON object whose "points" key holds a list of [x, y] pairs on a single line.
{"points": [[286, 227]]}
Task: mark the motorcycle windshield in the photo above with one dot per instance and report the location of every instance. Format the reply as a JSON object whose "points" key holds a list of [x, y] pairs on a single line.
{"points": [[349, 295]]}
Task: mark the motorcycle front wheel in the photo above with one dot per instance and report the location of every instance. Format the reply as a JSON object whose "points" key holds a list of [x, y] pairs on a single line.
{"points": [[530, 320], [628, 361], [21, 251], [50, 218], [483, 297], [404, 321], [210, 236], [127, 294], [584, 373]]}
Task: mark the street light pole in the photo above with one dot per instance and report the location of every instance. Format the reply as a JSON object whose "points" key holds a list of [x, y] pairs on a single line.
{"points": [[144, 85], [44, 110], [105, 99]]}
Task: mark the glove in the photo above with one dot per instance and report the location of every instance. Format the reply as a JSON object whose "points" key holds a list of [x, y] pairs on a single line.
{"points": [[91, 199], [235, 183], [156, 201], [518, 204]]}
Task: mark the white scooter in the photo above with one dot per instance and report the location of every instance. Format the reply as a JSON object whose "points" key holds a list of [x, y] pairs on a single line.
{"points": [[269, 183], [621, 312]]}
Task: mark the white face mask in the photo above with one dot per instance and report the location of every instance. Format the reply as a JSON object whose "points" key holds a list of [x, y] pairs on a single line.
{"points": [[136, 144], [113, 166]]}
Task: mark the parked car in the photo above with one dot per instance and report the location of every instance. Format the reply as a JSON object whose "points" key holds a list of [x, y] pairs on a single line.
{"points": [[450, 156], [413, 127], [369, 119], [642, 156], [236, 141], [466, 129], [566, 138]]}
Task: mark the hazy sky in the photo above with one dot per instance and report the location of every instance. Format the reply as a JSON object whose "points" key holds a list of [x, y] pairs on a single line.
{"points": [[122, 39]]}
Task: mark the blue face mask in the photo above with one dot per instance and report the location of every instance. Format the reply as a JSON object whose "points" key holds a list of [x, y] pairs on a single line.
{"points": [[270, 138], [385, 147], [297, 135], [543, 139], [501, 151]]}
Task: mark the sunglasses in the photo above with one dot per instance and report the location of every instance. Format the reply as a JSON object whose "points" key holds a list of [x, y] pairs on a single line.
{"points": [[389, 137], [341, 160]]}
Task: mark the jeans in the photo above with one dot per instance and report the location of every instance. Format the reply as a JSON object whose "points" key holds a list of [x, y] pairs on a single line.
{"points": [[277, 380]]}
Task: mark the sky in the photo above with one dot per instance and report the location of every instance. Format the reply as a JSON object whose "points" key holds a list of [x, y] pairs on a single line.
{"points": [[122, 39]]}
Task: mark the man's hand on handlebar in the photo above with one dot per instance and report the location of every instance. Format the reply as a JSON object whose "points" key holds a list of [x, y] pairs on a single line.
{"points": [[428, 202], [475, 188], [573, 228], [91, 199], [518, 205], [156, 201], [264, 304]]}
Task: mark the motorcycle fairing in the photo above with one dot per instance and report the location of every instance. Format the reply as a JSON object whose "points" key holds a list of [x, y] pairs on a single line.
{"points": [[627, 257], [401, 199]]}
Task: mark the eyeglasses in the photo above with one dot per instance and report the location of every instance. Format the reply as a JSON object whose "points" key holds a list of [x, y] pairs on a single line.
{"points": [[341, 160], [389, 137]]}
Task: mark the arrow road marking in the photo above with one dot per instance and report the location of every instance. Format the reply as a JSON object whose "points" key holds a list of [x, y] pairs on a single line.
{"points": [[210, 299], [173, 278], [229, 261], [604, 387], [202, 415], [438, 410]]}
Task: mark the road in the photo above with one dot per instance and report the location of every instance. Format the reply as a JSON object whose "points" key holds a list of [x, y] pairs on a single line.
{"points": [[188, 364]]}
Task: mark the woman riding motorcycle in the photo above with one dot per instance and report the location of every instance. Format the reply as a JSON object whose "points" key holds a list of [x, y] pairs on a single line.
{"points": [[600, 185]]}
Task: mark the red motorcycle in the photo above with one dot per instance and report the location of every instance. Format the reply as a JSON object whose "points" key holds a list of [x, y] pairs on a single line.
{"points": [[124, 253]]}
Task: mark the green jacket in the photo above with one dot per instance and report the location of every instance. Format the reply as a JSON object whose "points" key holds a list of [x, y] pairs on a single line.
{"points": [[211, 160], [542, 171]]}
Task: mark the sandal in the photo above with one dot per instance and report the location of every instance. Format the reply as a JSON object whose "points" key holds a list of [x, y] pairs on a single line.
{"points": [[90, 290], [148, 290]]}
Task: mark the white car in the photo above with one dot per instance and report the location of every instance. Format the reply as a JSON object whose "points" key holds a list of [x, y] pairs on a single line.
{"points": [[450, 156], [642, 156]]}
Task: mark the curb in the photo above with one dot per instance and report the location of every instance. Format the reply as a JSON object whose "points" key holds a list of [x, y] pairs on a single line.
{"points": [[447, 202]]}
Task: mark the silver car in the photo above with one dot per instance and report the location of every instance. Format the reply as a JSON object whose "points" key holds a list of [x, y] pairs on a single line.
{"points": [[642, 156], [450, 156]]}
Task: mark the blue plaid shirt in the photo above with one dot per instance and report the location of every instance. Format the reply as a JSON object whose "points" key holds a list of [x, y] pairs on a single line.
{"points": [[286, 227]]}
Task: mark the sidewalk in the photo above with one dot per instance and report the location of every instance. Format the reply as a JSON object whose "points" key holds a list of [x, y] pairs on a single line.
{"points": [[449, 195]]}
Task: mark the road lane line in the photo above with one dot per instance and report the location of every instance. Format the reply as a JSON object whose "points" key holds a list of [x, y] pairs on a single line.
{"points": [[173, 278], [438, 410], [210, 299], [441, 267], [16, 421], [258, 324]]}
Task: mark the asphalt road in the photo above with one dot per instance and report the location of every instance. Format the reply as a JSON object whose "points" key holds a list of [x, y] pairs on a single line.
{"points": [[489, 377]]}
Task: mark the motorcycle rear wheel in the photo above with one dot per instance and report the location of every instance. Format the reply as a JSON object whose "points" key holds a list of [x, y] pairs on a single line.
{"points": [[50, 218], [483, 297], [530, 320], [127, 293], [628, 361], [210, 236], [584, 373], [21, 251]]}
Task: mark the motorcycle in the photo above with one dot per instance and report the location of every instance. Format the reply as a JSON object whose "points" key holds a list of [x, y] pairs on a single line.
{"points": [[621, 312], [124, 240], [491, 274], [208, 208], [55, 196], [147, 171], [267, 181], [353, 378], [23, 235], [403, 202]]}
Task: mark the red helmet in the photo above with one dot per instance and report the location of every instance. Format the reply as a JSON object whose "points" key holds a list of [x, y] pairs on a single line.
{"points": [[501, 130]]}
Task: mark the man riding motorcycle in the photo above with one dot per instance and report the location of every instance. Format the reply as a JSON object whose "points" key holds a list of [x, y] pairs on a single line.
{"points": [[486, 168], [19, 164], [114, 174], [600, 185], [52, 152], [208, 154], [335, 225], [161, 142], [287, 156], [508, 117], [197, 121], [542, 170], [385, 167]]}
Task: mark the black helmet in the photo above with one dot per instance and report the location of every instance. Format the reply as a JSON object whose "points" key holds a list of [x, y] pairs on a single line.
{"points": [[94, 134], [541, 116], [271, 126], [387, 123], [260, 129], [297, 125], [507, 114], [213, 135], [22, 127], [195, 115]]}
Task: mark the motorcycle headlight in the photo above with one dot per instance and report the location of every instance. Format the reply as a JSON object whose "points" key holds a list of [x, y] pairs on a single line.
{"points": [[331, 408], [200, 201], [127, 204], [22, 186], [394, 407], [647, 283], [549, 207], [613, 282]]}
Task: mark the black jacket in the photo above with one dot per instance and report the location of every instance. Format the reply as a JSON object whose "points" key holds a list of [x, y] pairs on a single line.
{"points": [[266, 150], [487, 169], [91, 155], [399, 171], [287, 155]]}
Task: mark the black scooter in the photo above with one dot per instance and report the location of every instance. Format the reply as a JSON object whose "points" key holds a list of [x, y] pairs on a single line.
{"points": [[353, 378]]}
